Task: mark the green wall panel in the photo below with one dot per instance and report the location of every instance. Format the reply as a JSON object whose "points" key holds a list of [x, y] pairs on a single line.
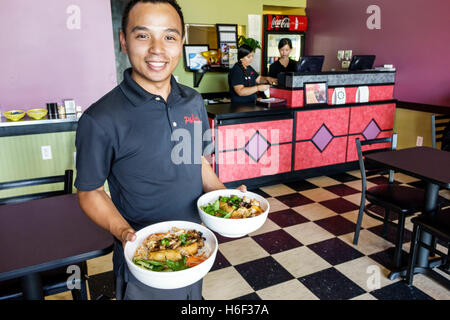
{"points": [[21, 158]]}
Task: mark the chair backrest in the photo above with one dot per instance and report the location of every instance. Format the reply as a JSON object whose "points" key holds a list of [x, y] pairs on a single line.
{"points": [[374, 170], [438, 125], [67, 178]]}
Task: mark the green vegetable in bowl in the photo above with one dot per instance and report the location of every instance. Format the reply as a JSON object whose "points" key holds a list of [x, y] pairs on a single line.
{"points": [[184, 238], [214, 210], [233, 207], [150, 264], [177, 265], [166, 266], [165, 242]]}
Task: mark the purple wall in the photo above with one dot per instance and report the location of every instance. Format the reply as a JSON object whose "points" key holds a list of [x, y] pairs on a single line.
{"points": [[414, 37], [43, 60]]}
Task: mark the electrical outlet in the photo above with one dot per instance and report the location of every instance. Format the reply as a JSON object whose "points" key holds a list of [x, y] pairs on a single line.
{"points": [[348, 54], [345, 64], [46, 152], [419, 141], [340, 55]]}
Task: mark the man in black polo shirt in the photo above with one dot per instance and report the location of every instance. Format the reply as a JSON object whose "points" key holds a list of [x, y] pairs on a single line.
{"points": [[131, 137]]}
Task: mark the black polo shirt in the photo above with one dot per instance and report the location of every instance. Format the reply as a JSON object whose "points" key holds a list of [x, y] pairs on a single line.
{"points": [[276, 68], [237, 77], [133, 139]]}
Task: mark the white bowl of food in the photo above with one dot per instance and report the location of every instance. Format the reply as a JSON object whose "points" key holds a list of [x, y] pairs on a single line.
{"points": [[171, 254], [233, 213]]}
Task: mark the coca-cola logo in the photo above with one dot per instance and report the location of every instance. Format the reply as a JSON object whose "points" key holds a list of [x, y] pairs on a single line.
{"points": [[280, 23]]}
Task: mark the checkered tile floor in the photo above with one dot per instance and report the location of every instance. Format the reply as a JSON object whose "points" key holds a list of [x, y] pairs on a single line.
{"points": [[303, 251]]}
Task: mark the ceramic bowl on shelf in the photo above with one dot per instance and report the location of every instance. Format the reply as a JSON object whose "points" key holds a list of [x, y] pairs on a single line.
{"points": [[14, 115], [175, 279], [232, 228], [37, 113]]}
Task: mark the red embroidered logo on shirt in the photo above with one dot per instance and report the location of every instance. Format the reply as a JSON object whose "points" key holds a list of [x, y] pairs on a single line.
{"points": [[191, 119]]}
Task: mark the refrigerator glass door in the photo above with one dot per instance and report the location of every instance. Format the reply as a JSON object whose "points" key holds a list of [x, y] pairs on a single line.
{"points": [[273, 53]]}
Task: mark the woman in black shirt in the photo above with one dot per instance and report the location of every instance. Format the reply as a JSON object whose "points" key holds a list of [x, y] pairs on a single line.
{"points": [[284, 64], [244, 82]]}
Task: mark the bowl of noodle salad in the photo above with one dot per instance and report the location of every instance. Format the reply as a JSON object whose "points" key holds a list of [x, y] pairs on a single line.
{"points": [[233, 213], [171, 254]]}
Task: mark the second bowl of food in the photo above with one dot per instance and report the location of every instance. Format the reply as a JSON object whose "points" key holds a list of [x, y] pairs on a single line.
{"points": [[233, 213]]}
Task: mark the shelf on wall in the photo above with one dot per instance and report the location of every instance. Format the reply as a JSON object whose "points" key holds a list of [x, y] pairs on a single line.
{"points": [[198, 74]]}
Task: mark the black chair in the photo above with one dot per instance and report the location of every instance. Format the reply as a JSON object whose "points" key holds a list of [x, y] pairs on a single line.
{"points": [[53, 281], [439, 227], [400, 200], [438, 127]]}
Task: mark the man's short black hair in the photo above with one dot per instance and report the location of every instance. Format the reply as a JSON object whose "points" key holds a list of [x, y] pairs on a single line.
{"points": [[132, 3]]}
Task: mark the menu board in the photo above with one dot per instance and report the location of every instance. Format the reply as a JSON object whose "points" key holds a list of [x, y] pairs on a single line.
{"points": [[227, 43]]}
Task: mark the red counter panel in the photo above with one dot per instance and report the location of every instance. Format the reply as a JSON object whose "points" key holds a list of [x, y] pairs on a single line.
{"points": [[236, 136], [380, 93], [308, 156], [238, 165], [295, 98], [308, 122], [360, 118], [352, 155], [376, 93], [254, 149], [370, 122], [321, 137]]}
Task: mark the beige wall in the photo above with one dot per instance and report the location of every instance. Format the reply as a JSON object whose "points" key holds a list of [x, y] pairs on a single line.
{"points": [[409, 124]]}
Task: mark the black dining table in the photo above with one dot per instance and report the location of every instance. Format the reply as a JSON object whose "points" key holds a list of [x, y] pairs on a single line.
{"points": [[45, 234], [431, 166]]}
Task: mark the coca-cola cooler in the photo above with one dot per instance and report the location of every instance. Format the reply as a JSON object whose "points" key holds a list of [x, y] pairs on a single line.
{"points": [[277, 27]]}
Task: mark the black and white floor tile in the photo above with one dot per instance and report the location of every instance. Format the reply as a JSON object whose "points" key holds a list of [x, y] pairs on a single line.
{"points": [[304, 251]]}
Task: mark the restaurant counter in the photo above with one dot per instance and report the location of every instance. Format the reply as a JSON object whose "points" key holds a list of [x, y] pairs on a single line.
{"points": [[256, 146], [374, 85], [27, 126]]}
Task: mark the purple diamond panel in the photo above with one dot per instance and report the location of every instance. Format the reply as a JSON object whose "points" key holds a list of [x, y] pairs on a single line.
{"points": [[322, 138], [371, 131], [257, 146]]}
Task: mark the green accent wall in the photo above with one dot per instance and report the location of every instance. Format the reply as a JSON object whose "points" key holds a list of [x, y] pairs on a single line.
{"points": [[21, 158]]}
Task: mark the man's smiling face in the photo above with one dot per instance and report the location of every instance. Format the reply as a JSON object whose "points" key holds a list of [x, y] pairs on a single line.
{"points": [[153, 42]]}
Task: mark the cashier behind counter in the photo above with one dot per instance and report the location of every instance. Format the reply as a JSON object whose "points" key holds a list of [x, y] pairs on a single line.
{"points": [[284, 64], [244, 82]]}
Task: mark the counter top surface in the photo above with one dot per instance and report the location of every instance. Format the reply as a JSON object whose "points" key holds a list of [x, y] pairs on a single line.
{"points": [[227, 110], [295, 81], [26, 121], [342, 72], [26, 126]]}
